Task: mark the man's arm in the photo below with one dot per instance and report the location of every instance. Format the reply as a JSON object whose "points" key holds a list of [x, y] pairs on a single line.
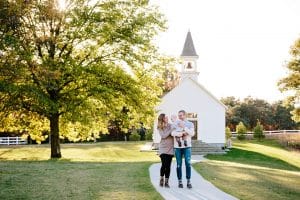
{"points": [[190, 131], [176, 134]]}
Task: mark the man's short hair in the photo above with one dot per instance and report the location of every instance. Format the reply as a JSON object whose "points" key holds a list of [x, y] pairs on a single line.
{"points": [[182, 111]]}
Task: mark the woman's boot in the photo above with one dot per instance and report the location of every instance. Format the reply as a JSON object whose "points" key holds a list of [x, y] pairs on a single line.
{"points": [[161, 181], [167, 183]]}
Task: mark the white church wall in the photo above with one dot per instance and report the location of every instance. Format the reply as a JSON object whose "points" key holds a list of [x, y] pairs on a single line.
{"points": [[192, 98]]}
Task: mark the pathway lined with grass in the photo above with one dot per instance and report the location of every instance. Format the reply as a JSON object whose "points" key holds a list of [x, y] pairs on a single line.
{"points": [[255, 170], [202, 189]]}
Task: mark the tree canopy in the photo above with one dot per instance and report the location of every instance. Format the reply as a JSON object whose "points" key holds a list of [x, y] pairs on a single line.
{"points": [[292, 81], [275, 116], [73, 69]]}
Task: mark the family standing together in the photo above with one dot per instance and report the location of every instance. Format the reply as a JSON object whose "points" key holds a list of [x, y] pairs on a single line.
{"points": [[176, 137]]}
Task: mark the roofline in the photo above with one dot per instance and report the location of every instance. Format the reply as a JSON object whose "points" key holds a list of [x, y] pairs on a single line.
{"points": [[209, 93], [203, 88]]}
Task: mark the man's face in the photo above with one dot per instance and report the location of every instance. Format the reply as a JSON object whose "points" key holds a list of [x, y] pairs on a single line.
{"points": [[181, 116]]}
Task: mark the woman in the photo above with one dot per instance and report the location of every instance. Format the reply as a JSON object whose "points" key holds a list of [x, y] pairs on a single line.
{"points": [[166, 149]]}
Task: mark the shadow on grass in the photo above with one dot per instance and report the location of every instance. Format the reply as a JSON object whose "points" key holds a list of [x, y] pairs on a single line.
{"points": [[253, 158]]}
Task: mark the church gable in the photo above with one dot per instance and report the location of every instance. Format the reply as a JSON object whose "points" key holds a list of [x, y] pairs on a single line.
{"points": [[190, 89]]}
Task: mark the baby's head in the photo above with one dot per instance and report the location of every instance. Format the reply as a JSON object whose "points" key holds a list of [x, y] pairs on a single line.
{"points": [[173, 118]]}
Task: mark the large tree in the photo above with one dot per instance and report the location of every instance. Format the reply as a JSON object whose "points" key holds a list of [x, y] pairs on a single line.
{"points": [[282, 117], [75, 65], [292, 81]]}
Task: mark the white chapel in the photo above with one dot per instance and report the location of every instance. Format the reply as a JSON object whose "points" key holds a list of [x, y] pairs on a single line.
{"points": [[203, 109]]}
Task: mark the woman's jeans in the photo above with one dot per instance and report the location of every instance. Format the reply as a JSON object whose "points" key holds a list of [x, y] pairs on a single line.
{"points": [[179, 153], [166, 161]]}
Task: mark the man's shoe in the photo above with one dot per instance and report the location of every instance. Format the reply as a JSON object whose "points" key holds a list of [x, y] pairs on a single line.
{"points": [[189, 185], [180, 185]]}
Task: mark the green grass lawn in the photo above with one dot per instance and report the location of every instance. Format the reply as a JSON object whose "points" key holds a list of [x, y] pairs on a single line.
{"points": [[255, 170], [108, 170]]}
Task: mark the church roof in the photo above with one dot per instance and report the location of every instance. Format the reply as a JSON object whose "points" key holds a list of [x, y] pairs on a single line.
{"points": [[188, 48]]}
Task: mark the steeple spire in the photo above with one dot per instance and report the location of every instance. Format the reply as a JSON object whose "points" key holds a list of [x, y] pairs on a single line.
{"points": [[188, 48], [189, 57]]}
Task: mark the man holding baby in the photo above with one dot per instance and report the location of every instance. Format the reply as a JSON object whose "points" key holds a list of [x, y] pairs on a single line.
{"points": [[183, 131]]}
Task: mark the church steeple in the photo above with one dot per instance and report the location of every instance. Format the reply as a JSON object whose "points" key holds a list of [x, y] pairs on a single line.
{"points": [[189, 58], [188, 48]]}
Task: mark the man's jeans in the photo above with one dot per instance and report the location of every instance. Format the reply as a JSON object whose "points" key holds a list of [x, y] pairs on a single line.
{"points": [[179, 153]]}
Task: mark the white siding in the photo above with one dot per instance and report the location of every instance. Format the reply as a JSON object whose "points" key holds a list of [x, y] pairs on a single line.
{"points": [[193, 98]]}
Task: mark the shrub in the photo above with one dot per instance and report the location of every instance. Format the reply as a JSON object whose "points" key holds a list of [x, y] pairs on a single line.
{"points": [[241, 130], [149, 135], [227, 133], [258, 131], [134, 136]]}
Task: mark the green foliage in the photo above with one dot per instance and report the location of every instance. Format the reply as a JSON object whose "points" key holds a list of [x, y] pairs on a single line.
{"points": [[275, 116], [227, 133], [78, 67], [24, 123], [149, 134], [170, 77], [292, 81], [134, 136], [258, 131], [241, 130], [283, 116]]}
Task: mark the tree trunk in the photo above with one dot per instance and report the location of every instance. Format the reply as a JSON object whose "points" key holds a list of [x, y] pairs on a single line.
{"points": [[54, 136]]}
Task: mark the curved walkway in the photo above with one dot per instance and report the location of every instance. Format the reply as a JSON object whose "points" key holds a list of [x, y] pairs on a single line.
{"points": [[202, 189]]}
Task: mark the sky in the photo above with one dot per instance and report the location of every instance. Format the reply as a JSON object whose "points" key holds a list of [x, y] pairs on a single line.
{"points": [[242, 45]]}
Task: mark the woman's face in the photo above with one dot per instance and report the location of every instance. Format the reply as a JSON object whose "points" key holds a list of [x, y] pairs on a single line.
{"points": [[166, 119]]}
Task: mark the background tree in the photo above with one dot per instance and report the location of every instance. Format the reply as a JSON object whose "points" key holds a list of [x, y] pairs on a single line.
{"points": [[292, 81], [258, 131], [251, 110], [170, 76], [231, 120], [227, 133], [69, 66], [273, 116], [282, 117], [241, 130]]}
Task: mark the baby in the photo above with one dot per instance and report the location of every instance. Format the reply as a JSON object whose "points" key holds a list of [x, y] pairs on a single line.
{"points": [[175, 125]]}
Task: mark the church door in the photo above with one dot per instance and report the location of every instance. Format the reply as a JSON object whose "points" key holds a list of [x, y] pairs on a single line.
{"points": [[192, 117]]}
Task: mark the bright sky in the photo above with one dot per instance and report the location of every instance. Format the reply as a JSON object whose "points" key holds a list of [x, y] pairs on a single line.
{"points": [[242, 44]]}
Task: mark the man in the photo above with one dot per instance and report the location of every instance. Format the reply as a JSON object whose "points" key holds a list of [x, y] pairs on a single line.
{"points": [[187, 132]]}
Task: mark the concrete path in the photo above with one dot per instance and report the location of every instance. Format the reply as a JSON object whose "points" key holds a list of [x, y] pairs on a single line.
{"points": [[202, 189]]}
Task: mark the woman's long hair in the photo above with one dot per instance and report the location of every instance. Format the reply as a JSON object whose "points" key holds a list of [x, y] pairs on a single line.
{"points": [[161, 123]]}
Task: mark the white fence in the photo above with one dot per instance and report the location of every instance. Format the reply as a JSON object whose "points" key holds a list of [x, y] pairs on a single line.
{"points": [[270, 133], [12, 140]]}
